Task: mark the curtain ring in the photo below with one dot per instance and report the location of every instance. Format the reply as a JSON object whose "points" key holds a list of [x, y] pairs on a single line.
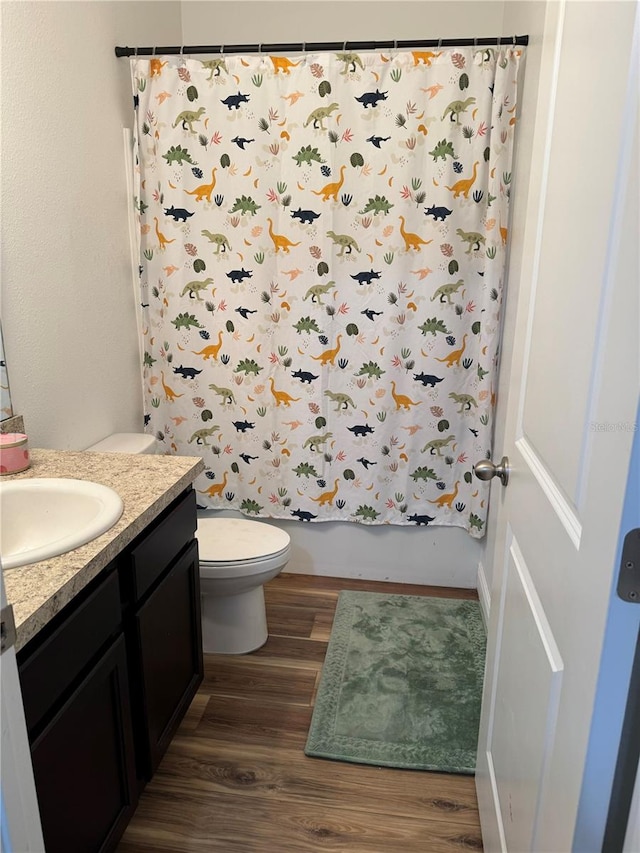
{"points": [[221, 50], [260, 50], [514, 41], [135, 52], [439, 44], [153, 52], [344, 47]]}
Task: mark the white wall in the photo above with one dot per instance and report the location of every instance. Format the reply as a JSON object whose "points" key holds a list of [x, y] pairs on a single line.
{"points": [[67, 295], [243, 21]]}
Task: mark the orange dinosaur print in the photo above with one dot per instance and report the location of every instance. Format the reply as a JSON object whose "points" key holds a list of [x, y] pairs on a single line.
{"points": [[216, 490], [204, 190], [327, 497], [424, 56], [447, 499], [292, 98], [162, 240], [401, 400], [280, 242], [454, 356], [329, 355], [281, 63], [156, 66], [212, 350], [169, 394], [281, 397], [411, 241], [463, 186], [331, 190]]}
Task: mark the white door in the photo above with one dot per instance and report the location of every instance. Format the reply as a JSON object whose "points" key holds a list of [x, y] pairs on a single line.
{"points": [[20, 830], [573, 361]]}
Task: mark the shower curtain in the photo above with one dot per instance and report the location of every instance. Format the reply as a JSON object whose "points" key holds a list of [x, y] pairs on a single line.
{"points": [[322, 247]]}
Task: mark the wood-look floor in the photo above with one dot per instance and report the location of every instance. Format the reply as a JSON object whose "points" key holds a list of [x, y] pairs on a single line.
{"points": [[235, 777]]}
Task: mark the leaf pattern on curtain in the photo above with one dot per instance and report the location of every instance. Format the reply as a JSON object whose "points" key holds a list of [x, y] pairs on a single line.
{"points": [[322, 249]]}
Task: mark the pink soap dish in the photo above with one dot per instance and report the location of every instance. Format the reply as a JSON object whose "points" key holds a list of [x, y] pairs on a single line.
{"points": [[14, 453]]}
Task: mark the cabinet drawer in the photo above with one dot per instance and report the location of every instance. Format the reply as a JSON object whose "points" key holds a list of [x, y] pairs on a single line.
{"points": [[47, 673], [158, 548]]}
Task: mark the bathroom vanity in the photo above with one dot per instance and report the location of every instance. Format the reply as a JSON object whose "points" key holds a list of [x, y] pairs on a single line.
{"points": [[109, 646]]}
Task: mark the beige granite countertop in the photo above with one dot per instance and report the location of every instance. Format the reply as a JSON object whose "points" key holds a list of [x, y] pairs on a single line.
{"points": [[147, 485]]}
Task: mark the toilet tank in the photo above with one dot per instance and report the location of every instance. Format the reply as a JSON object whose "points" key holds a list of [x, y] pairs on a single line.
{"points": [[126, 442]]}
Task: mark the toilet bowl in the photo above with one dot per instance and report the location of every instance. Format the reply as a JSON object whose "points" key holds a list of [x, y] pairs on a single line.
{"points": [[237, 557]]}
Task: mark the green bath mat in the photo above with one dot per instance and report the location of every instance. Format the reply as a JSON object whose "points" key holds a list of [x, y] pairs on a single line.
{"points": [[401, 684]]}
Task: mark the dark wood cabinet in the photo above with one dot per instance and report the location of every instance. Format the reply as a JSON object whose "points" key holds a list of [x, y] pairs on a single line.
{"points": [[166, 658], [107, 682], [83, 762]]}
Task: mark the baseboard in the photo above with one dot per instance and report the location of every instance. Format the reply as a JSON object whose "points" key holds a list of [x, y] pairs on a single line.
{"points": [[484, 594]]}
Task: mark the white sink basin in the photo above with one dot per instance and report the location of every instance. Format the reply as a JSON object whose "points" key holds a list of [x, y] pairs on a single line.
{"points": [[42, 518]]}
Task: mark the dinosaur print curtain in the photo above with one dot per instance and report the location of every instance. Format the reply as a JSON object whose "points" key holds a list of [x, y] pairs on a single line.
{"points": [[322, 247]]}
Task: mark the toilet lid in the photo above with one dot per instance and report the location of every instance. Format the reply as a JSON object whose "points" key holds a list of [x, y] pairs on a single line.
{"points": [[235, 539]]}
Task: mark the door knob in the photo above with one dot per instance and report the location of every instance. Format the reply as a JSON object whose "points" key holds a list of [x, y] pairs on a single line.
{"points": [[485, 470]]}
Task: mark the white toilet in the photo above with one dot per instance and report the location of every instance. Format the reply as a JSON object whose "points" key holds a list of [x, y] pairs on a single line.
{"points": [[237, 557]]}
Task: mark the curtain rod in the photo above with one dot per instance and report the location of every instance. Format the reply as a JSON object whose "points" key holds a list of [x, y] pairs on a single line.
{"points": [[315, 47]]}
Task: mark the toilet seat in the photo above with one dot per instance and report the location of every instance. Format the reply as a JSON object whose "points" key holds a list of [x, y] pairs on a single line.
{"points": [[238, 547]]}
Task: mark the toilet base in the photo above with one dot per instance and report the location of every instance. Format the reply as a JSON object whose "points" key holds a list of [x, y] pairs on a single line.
{"points": [[234, 624]]}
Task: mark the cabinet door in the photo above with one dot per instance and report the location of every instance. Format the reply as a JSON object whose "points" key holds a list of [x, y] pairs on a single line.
{"points": [[169, 639], [83, 762]]}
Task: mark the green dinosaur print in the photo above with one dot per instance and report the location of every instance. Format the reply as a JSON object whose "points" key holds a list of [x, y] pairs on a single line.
{"points": [[344, 241], [473, 238], [245, 204], [200, 436], [367, 513], [185, 321], [442, 149], [195, 287], [178, 154], [314, 442], [188, 118], [437, 444], [475, 521], [250, 506], [454, 109], [318, 115], [376, 205], [433, 325], [247, 366], [225, 393], [372, 370], [423, 474], [465, 401], [343, 400], [445, 291], [306, 324], [351, 61], [308, 155], [316, 292], [304, 469], [214, 66], [219, 240]]}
